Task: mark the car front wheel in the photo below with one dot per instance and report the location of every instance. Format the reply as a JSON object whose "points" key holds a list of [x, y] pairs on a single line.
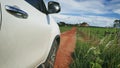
{"points": [[51, 57]]}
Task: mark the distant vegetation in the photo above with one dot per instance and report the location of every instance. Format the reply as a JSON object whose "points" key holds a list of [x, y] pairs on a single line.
{"points": [[63, 28], [116, 24], [66, 24]]}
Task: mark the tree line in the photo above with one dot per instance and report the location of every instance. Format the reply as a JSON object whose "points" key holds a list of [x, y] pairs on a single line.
{"points": [[116, 24]]}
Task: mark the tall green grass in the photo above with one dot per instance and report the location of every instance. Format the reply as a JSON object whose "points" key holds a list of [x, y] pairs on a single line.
{"points": [[104, 54]]}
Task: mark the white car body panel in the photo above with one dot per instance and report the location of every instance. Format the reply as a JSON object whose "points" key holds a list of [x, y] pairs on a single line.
{"points": [[25, 43]]}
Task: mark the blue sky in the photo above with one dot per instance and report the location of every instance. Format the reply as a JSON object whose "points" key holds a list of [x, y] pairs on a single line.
{"points": [[95, 12]]}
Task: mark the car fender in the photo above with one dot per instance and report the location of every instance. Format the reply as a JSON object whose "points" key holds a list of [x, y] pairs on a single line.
{"points": [[55, 35]]}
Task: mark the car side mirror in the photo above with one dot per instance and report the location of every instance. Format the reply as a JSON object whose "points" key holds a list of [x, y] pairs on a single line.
{"points": [[53, 7]]}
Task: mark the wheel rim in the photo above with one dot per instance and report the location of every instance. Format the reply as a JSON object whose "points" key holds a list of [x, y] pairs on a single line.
{"points": [[52, 57]]}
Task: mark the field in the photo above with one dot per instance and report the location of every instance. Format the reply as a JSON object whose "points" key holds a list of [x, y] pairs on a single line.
{"points": [[96, 48]]}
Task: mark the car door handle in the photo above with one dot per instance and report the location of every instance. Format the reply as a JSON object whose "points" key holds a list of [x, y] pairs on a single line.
{"points": [[16, 11]]}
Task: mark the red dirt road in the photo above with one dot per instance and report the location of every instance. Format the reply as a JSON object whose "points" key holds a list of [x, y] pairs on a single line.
{"points": [[67, 45]]}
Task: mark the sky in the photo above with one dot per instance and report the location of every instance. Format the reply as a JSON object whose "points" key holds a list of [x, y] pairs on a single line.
{"points": [[94, 12]]}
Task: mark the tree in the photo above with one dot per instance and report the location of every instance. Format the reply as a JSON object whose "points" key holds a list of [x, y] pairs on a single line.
{"points": [[84, 24], [116, 23], [61, 23]]}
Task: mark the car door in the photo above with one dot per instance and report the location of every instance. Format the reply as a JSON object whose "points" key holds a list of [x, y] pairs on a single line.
{"points": [[24, 35], [0, 15]]}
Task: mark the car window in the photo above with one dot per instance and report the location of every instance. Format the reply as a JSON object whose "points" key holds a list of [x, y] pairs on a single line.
{"points": [[38, 4]]}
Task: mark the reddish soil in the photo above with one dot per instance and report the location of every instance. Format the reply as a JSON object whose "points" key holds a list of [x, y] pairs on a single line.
{"points": [[86, 38], [67, 45]]}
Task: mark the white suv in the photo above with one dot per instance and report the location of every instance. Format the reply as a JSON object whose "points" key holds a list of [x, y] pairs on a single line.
{"points": [[29, 37]]}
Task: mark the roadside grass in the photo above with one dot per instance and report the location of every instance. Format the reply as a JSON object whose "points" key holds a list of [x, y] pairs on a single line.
{"points": [[103, 54], [64, 28]]}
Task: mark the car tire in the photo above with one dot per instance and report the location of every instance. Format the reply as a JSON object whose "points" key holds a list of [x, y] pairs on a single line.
{"points": [[51, 57]]}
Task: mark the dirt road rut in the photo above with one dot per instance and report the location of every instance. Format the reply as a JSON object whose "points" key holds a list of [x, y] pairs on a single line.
{"points": [[67, 45]]}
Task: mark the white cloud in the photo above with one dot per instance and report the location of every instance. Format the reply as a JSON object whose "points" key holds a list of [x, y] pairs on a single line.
{"points": [[117, 11], [88, 6], [92, 20], [114, 6]]}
